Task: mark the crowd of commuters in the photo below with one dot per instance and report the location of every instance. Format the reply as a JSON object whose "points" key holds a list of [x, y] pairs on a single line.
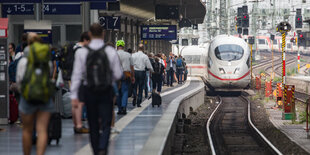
{"points": [[100, 77]]}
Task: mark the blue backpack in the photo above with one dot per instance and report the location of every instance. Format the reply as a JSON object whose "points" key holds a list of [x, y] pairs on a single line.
{"points": [[12, 70], [179, 62]]}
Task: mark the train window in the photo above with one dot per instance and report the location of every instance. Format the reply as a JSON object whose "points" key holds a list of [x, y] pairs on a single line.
{"points": [[275, 42], [261, 41], [192, 59], [229, 52]]}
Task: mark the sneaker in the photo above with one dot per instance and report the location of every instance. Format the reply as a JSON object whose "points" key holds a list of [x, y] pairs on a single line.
{"points": [[114, 130], [81, 130]]}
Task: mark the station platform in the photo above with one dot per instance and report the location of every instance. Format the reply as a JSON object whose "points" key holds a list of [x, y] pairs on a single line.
{"points": [[137, 129], [295, 132]]}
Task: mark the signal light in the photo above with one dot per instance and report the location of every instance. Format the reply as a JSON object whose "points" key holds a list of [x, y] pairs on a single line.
{"points": [[244, 17], [301, 36], [298, 19]]}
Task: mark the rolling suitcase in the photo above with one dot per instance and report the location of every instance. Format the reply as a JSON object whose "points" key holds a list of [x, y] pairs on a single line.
{"points": [[13, 109], [54, 128], [156, 99]]}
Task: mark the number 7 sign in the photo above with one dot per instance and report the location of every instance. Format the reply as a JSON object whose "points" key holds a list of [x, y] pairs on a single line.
{"points": [[110, 22]]}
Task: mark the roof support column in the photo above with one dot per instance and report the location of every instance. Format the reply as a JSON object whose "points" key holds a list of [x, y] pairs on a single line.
{"points": [[85, 16], [131, 35], [125, 33]]}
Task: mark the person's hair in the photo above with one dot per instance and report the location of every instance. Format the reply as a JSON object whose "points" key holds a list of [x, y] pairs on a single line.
{"points": [[33, 37], [84, 36], [13, 46], [96, 30], [156, 59], [159, 55], [110, 44], [141, 47], [24, 37], [129, 50]]}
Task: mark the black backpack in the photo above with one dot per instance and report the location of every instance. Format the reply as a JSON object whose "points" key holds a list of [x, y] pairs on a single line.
{"points": [[66, 56], [99, 74], [157, 67]]}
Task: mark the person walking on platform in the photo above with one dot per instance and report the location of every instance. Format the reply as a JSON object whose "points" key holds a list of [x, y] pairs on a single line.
{"points": [[99, 65], [157, 74], [77, 110], [171, 67], [180, 69], [148, 80], [128, 77], [140, 62], [33, 76]]}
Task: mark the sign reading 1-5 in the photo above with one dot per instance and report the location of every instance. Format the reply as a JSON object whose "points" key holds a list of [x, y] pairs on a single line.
{"points": [[110, 22]]}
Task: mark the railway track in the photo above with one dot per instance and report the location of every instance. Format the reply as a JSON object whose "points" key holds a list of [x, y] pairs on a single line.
{"points": [[231, 131]]}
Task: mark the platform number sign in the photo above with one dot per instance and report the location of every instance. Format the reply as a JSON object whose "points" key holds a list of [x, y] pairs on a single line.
{"points": [[110, 22]]}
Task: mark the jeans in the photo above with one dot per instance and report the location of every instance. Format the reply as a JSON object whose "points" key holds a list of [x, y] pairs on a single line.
{"points": [[157, 81], [170, 76], [140, 82], [148, 83], [179, 75], [99, 107], [122, 98]]}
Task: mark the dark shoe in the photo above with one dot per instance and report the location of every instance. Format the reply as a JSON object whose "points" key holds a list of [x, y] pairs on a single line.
{"points": [[81, 130], [134, 102], [139, 105], [102, 152], [124, 111], [119, 112]]}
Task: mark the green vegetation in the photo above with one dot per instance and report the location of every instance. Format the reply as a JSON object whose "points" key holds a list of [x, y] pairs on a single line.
{"points": [[302, 60], [277, 79], [291, 72], [303, 116], [262, 71]]}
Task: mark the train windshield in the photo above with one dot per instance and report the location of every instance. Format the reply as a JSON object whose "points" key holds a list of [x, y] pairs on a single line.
{"points": [[192, 59], [229, 52]]}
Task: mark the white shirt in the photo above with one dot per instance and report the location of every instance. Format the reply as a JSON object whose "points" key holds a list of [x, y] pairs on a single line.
{"points": [[79, 67], [125, 59], [162, 62], [141, 61]]}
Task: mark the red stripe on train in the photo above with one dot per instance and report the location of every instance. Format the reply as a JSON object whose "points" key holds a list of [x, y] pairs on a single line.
{"points": [[197, 66], [229, 79]]}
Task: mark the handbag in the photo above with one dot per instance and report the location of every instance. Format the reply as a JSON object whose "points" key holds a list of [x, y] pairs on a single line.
{"points": [[60, 81], [127, 75]]}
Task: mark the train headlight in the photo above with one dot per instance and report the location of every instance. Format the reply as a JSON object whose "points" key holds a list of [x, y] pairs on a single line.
{"points": [[222, 71], [237, 70]]}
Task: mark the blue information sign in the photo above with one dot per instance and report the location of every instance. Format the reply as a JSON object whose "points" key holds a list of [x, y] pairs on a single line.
{"points": [[62, 9], [46, 35], [158, 32], [110, 22], [17, 9], [39, 1], [49, 9], [98, 5]]}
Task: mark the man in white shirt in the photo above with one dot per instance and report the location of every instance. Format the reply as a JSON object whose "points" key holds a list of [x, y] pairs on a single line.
{"points": [[171, 68], [140, 62], [128, 76], [99, 104]]}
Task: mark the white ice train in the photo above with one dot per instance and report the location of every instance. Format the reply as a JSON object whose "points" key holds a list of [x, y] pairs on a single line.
{"points": [[228, 63], [195, 58]]}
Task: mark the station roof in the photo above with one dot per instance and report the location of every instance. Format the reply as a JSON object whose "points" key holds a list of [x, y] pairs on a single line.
{"points": [[145, 9]]}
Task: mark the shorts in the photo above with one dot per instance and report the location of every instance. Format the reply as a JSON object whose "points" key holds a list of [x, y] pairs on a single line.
{"points": [[81, 93], [27, 108]]}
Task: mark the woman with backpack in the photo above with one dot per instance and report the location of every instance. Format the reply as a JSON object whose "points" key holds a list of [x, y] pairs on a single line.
{"points": [[157, 74], [34, 81]]}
